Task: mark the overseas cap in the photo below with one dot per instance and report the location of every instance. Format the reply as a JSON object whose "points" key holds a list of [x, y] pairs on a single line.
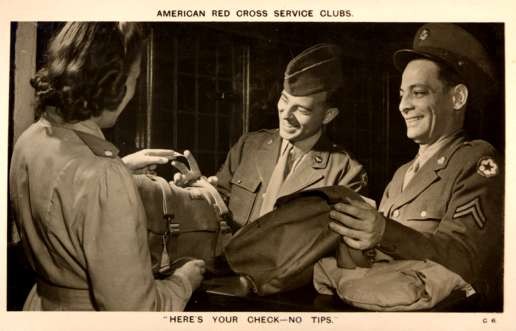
{"points": [[316, 69], [451, 45]]}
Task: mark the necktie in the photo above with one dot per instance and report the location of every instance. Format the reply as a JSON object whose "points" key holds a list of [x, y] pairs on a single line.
{"points": [[411, 172], [279, 174]]}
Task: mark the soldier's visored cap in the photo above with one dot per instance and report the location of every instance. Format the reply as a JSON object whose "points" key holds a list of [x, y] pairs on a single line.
{"points": [[450, 45], [316, 69]]}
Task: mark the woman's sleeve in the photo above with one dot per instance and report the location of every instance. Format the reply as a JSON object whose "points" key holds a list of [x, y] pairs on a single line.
{"points": [[114, 239]]}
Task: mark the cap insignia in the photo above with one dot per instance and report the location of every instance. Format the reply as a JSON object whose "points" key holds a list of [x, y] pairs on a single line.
{"points": [[424, 34]]}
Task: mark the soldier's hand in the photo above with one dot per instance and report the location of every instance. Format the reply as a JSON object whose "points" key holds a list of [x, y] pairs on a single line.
{"points": [[147, 159], [193, 271], [213, 180], [360, 225], [186, 174]]}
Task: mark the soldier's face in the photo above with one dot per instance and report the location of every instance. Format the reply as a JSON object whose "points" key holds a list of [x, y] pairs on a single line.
{"points": [[302, 116], [426, 102]]}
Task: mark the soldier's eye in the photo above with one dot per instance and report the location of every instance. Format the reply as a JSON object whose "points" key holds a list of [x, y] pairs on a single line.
{"points": [[419, 93], [304, 111]]}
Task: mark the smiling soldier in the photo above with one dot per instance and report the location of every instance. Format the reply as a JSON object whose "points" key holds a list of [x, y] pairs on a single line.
{"points": [[265, 165], [446, 205]]}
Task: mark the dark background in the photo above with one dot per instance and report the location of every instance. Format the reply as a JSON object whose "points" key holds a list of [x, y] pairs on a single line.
{"points": [[204, 84], [213, 81]]}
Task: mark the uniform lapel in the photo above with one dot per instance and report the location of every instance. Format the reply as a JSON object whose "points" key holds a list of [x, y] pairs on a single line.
{"points": [[427, 175], [424, 178], [267, 156], [397, 180], [311, 169]]}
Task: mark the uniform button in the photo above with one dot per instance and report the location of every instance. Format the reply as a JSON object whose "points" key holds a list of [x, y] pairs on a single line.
{"points": [[440, 161], [317, 159], [396, 213], [423, 213], [108, 153], [239, 181]]}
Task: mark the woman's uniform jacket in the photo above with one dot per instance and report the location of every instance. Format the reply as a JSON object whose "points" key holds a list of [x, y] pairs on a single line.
{"points": [[83, 226]]}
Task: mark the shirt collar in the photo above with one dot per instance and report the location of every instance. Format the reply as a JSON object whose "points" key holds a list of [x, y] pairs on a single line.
{"points": [[303, 146], [428, 151]]}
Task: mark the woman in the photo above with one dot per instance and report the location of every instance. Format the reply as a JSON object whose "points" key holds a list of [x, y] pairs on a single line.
{"points": [[78, 211]]}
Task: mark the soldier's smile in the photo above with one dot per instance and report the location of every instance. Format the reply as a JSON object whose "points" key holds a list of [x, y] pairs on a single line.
{"points": [[413, 120]]}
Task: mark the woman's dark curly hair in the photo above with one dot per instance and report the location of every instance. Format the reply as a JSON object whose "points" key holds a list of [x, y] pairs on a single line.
{"points": [[87, 68]]}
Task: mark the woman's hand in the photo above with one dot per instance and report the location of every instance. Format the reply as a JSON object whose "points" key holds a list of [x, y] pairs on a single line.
{"points": [[148, 159], [193, 271], [186, 174]]}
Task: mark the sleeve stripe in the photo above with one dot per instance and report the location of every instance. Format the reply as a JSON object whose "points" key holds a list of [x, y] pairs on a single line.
{"points": [[473, 207], [467, 205]]}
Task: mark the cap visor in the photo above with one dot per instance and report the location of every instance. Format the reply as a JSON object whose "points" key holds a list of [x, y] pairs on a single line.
{"points": [[403, 56]]}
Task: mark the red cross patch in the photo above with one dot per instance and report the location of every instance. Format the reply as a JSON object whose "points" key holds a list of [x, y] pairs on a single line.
{"points": [[487, 167]]}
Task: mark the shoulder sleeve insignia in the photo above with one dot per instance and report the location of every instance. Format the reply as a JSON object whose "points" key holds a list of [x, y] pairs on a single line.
{"points": [[364, 180], [474, 209], [487, 167]]}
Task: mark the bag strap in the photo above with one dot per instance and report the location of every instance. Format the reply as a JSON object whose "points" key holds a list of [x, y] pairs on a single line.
{"points": [[222, 211], [163, 186], [173, 228], [214, 195]]}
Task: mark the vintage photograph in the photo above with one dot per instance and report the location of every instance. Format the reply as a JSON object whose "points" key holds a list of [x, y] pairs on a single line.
{"points": [[256, 166]]}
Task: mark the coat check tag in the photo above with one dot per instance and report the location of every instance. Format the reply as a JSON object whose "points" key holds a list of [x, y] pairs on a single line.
{"points": [[165, 259], [474, 209], [468, 290]]}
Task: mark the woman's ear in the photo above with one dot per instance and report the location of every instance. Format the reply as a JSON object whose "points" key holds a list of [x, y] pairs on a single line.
{"points": [[331, 113], [460, 96]]}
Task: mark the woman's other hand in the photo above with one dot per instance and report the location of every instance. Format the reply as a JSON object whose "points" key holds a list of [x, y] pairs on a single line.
{"points": [[192, 271], [148, 159]]}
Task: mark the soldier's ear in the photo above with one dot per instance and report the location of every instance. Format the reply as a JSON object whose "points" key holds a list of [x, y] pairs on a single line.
{"points": [[459, 96], [331, 113]]}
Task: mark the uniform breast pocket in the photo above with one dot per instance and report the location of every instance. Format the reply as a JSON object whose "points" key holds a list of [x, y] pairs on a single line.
{"points": [[425, 216], [243, 196]]}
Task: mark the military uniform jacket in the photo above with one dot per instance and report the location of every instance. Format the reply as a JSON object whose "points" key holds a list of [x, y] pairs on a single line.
{"points": [[245, 175], [83, 225], [451, 212]]}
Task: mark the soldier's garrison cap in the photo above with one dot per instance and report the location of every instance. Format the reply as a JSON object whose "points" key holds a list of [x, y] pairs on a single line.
{"points": [[452, 46], [314, 70]]}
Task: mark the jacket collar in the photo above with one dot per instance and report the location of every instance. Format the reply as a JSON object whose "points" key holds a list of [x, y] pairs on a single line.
{"points": [[88, 126], [88, 131], [308, 172], [267, 157], [311, 169]]}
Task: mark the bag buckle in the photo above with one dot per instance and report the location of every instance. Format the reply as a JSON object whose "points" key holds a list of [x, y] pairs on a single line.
{"points": [[174, 228], [224, 227]]}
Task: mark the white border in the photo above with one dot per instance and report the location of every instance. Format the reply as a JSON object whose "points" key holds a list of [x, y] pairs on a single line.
{"points": [[363, 11]]}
